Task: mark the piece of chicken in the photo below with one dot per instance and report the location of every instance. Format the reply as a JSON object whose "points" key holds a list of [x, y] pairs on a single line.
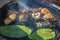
{"points": [[10, 19], [23, 18], [45, 11], [49, 16], [23, 15], [36, 15], [52, 19], [7, 21]]}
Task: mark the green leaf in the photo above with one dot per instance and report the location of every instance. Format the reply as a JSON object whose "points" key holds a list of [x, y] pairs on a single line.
{"points": [[26, 30], [46, 33], [33, 36], [14, 31]]}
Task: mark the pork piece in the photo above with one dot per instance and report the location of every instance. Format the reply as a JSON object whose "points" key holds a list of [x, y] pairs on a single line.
{"points": [[23, 18], [7, 21], [49, 16], [36, 15], [23, 15], [45, 11], [10, 19], [52, 19]]}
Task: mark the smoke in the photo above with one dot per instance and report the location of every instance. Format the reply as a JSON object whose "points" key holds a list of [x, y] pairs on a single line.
{"points": [[22, 4]]}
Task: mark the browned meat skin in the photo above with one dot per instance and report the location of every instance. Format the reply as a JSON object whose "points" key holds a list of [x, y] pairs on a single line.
{"points": [[52, 18], [45, 11], [23, 15], [21, 18], [7, 21], [10, 19], [49, 16]]}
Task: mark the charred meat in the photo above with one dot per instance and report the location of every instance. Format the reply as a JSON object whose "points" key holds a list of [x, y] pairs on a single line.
{"points": [[10, 19]]}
